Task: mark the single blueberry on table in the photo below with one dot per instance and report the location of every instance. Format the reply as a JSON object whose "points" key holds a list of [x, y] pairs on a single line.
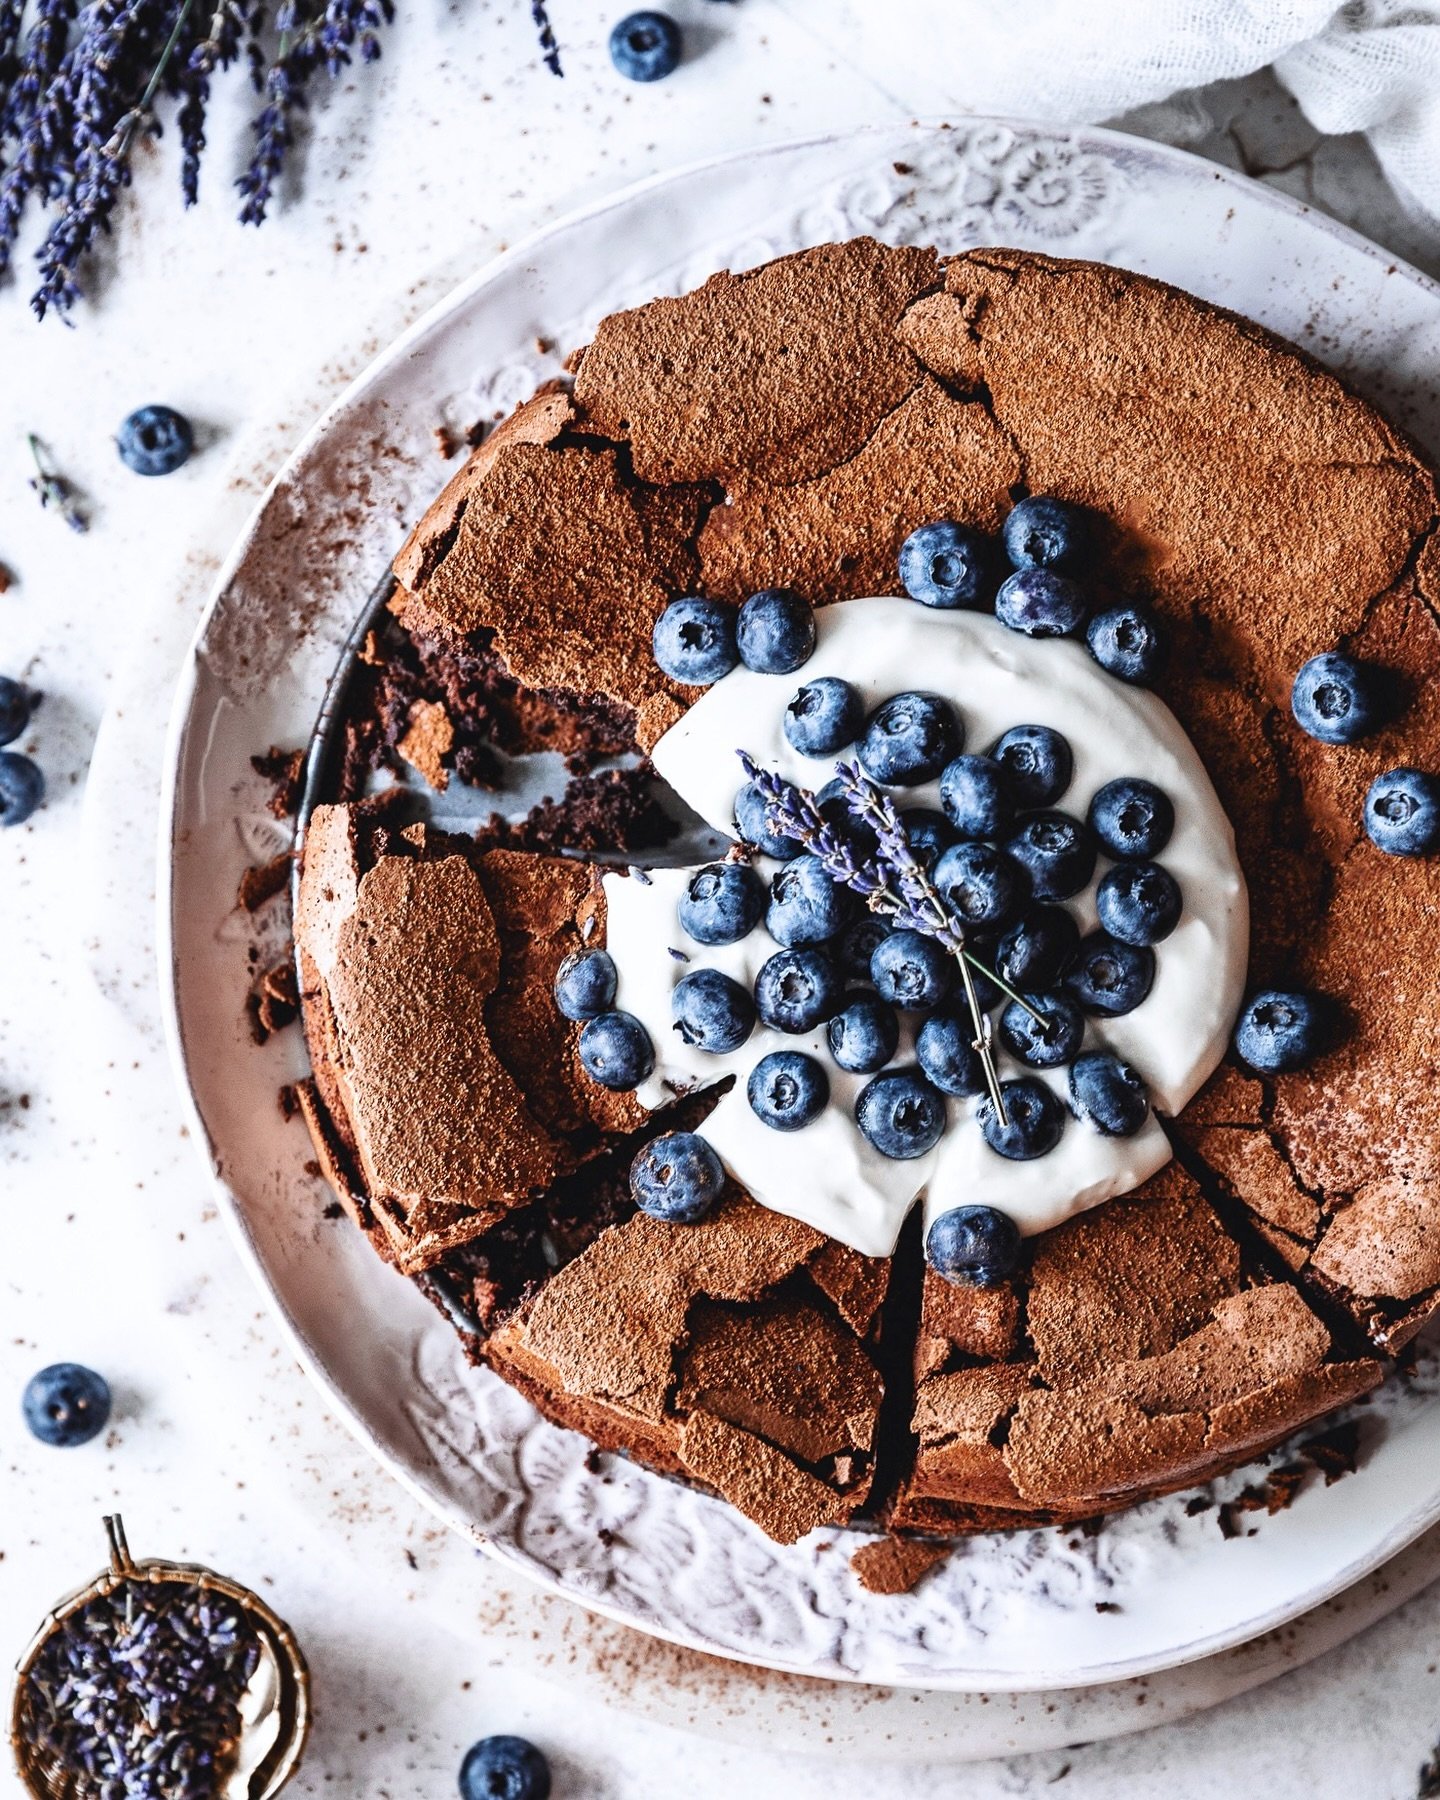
{"points": [[66, 1404], [1056, 852], [973, 1246], [722, 903], [1048, 1044], [901, 1114], [834, 808], [677, 1178], [22, 787], [798, 990], [646, 46], [863, 1036], [945, 1050], [947, 565], [752, 821], [979, 883], [856, 944], [975, 793], [585, 984], [1110, 978], [1127, 643], [712, 1011], [911, 970], [15, 700], [1279, 1031], [787, 1090], [615, 1050], [1034, 1120], [928, 833], [1039, 763], [909, 738], [1139, 903], [1108, 1094], [1037, 950], [775, 632], [1041, 604], [155, 440], [1402, 812], [504, 1768], [806, 906], [694, 641], [823, 716], [1132, 819], [1045, 533], [1338, 698]]}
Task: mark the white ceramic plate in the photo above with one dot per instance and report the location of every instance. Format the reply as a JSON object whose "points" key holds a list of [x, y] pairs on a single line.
{"points": [[1006, 1612]]}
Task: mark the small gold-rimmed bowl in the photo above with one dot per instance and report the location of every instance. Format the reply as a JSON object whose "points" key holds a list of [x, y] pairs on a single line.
{"points": [[274, 1708]]}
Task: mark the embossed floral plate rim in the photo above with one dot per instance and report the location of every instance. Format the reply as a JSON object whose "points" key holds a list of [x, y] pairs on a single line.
{"points": [[1155, 1587]]}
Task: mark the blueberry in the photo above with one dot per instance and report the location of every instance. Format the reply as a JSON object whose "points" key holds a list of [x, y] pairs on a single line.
{"points": [[856, 944], [806, 906], [22, 787], [1046, 1045], [1036, 951], [585, 984], [712, 1012], [947, 565], [1132, 819], [694, 641], [796, 990], [1280, 1031], [775, 632], [945, 1049], [911, 970], [677, 1178], [646, 46], [787, 1090], [1045, 533], [752, 821], [1108, 1093], [1109, 977], [980, 883], [155, 440], [864, 1035], [616, 1051], [1139, 903], [1039, 763], [824, 716], [975, 793], [1056, 852], [504, 1768], [1338, 698], [927, 833], [1034, 1120], [834, 808], [1041, 604], [1126, 642], [14, 709], [901, 1114], [1402, 812], [909, 739], [973, 1246], [722, 903], [66, 1404]]}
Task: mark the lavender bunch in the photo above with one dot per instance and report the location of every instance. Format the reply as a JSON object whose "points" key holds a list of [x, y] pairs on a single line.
{"points": [[84, 84]]}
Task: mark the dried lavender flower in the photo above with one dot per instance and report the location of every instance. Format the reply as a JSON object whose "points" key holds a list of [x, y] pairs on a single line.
{"points": [[54, 490]]}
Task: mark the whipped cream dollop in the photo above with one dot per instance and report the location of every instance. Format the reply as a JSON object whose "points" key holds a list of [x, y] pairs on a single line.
{"points": [[828, 1174]]}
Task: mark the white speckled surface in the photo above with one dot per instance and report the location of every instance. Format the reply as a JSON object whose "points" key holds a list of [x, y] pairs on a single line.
{"points": [[220, 1448]]}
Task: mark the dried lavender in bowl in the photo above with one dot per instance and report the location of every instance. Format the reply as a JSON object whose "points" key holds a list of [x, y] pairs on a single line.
{"points": [[136, 1696]]}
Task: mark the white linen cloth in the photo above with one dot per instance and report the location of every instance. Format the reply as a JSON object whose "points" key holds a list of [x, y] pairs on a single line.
{"points": [[1371, 66]]}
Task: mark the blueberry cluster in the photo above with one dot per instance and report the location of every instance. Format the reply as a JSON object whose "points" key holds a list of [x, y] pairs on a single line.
{"points": [[1032, 580]]}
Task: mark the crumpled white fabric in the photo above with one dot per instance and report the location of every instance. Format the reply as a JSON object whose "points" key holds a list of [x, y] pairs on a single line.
{"points": [[1370, 65]]}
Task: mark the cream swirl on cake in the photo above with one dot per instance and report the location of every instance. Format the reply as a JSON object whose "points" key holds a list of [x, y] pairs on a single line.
{"points": [[827, 1174]]}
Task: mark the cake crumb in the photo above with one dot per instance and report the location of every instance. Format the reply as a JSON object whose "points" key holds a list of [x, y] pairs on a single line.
{"points": [[286, 769], [263, 882], [430, 739], [893, 1565]]}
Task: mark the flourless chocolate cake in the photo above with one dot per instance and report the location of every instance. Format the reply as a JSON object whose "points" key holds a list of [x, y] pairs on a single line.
{"points": [[790, 429]]}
